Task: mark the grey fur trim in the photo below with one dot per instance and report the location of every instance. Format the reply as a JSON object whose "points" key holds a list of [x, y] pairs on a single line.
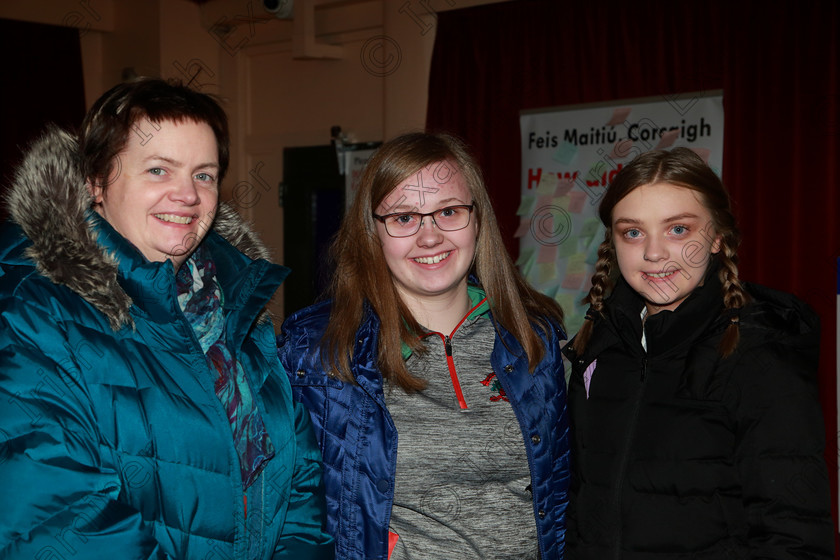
{"points": [[49, 200], [238, 233], [230, 225]]}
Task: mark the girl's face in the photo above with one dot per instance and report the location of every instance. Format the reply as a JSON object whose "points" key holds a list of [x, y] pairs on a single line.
{"points": [[664, 238], [431, 263]]}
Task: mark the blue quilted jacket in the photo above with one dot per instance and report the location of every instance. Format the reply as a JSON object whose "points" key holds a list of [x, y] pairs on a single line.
{"points": [[359, 441], [113, 443]]}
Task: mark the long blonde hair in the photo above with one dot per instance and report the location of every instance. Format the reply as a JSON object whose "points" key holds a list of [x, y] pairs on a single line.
{"points": [[362, 278], [680, 167]]}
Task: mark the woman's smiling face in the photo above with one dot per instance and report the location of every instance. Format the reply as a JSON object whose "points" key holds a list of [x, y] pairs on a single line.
{"points": [[664, 238], [164, 198], [432, 263]]}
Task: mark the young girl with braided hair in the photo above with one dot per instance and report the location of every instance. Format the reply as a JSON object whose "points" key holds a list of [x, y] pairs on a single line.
{"points": [[696, 428]]}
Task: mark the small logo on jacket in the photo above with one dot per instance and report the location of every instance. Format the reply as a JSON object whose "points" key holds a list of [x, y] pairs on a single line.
{"points": [[587, 375], [492, 382]]}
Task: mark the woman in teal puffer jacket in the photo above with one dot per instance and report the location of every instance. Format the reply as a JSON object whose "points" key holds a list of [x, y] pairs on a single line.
{"points": [[145, 413]]}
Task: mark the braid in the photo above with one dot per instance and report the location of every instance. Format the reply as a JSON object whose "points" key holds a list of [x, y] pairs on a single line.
{"points": [[601, 285], [734, 297]]}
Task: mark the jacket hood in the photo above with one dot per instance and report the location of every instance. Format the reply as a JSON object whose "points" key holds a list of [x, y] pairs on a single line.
{"points": [[48, 199]]}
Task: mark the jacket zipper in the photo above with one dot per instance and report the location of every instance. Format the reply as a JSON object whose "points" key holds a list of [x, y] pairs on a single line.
{"points": [[625, 457], [197, 348], [375, 398], [450, 363], [529, 454]]}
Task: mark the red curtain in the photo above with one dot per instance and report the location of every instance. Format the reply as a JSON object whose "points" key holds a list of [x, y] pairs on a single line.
{"points": [[777, 63]]}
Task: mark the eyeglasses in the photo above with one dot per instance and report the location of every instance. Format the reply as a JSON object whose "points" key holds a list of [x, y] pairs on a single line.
{"points": [[406, 224]]}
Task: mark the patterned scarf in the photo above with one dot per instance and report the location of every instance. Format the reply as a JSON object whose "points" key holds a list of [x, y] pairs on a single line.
{"points": [[202, 301]]}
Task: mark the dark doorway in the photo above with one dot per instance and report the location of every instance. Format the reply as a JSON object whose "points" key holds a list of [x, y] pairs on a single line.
{"points": [[313, 206], [43, 83]]}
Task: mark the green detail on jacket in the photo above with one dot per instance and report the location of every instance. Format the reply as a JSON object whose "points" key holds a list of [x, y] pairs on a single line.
{"points": [[479, 306]]}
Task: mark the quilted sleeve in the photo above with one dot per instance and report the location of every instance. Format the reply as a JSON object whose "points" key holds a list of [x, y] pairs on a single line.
{"points": [[304, 533], [779, 454], [59, 496]]}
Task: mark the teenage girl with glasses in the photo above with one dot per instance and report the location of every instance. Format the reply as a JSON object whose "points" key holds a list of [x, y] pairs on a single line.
{"points": [[433, 374]]}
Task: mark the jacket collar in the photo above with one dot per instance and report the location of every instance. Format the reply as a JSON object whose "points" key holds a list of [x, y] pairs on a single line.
{"points": [[479, 306], [71, 246], [666, 330]]}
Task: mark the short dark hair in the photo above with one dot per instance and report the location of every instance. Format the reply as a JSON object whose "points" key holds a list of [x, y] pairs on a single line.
{"points": [[115, 115]]}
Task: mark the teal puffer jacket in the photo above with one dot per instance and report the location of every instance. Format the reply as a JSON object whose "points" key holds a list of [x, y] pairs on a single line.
{"points": [[113, 443]]}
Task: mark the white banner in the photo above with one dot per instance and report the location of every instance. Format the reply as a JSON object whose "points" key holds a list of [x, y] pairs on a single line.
{"points": [[570, 155], [356, 157]]}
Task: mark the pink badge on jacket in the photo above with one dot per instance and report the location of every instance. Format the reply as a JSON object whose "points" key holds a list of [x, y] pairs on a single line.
{"points": [[587, 376]]}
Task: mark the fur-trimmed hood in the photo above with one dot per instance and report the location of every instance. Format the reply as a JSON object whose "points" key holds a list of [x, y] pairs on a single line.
{"points": [[49, 201]]}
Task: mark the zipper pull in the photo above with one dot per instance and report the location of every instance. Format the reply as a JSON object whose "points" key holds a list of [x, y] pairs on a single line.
{"points": [[456, 384]]}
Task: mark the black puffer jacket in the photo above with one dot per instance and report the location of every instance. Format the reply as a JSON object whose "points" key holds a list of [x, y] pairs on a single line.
{"points": [[678, 453]]}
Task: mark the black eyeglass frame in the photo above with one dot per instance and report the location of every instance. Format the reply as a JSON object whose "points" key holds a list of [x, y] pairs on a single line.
{"points": [[469, 207]]}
